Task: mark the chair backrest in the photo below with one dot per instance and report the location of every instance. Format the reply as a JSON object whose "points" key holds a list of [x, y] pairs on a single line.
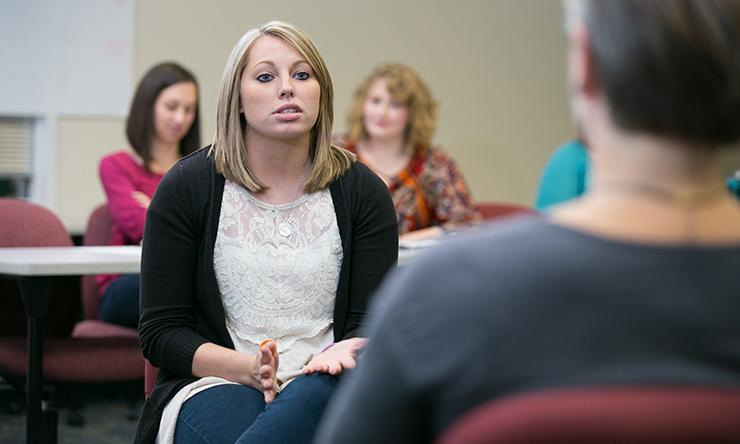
{"points": [[494, 210], [635, 415], [25, 224], [98, 232]]}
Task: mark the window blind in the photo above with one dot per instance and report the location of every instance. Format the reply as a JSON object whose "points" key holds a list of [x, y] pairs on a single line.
{"points": [[15, 146]]}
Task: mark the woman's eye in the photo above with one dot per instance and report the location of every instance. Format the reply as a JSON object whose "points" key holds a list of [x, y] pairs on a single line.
{"points": [[375, 100], [264, 78], [301, 75], [396, 105]]}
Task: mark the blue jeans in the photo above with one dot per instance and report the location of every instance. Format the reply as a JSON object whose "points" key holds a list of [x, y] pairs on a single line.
{"points": [[120, 302], [233, 413]]}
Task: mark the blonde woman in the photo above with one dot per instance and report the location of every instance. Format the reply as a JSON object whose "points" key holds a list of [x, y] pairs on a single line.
{"points": [[391, 123], [259, 257]]}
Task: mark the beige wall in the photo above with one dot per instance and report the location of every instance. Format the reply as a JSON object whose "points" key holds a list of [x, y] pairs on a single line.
{"points": [[495, 66], [81, 144]]}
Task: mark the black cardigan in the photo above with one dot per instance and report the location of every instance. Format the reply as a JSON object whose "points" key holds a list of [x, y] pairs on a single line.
{"points": [[181, 305]]}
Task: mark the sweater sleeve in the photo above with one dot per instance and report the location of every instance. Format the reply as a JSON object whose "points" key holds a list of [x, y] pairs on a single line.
{"points": [[375, 404], [119, 183], [374, 248], [401, 385], [379, 401], [168, 267]]}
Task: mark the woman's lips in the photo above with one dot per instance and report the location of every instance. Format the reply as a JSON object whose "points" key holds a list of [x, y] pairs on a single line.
{"points": [[288, 112]]}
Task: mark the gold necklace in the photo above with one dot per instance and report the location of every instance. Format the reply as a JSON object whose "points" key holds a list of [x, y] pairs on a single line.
{"points": [[687, 202], [284, 227], [690, 200]]}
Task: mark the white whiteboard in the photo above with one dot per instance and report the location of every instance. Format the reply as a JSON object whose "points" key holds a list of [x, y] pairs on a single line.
{"points": [[66, 57]]}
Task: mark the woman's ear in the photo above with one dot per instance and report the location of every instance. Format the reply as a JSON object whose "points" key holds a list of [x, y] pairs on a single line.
{"points": [[582, 76]]}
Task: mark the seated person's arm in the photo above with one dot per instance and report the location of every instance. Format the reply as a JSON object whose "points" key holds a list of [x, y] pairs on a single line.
{"points": [[125, 202], [374, 249], [450, 199]]}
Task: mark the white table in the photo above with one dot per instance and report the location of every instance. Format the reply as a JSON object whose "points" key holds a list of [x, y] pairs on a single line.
{"points": [[408, 249], [405, 255], [34, 268]]}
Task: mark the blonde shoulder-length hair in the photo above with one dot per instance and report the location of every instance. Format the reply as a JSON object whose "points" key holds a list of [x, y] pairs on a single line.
{"points": [[229, 148], [406, 87]]}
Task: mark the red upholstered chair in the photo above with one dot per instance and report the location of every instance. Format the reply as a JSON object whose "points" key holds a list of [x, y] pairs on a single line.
{"points": [[150, 377], [98, 232], [634, 415], [495, 210], [80, 359], [26, 225]]}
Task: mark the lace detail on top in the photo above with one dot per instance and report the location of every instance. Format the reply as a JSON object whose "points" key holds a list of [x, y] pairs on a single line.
{"points": [[275, 285]]}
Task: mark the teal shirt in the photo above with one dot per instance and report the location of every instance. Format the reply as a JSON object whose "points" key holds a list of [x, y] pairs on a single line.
{"points": [[733, 184], [565, 176]]}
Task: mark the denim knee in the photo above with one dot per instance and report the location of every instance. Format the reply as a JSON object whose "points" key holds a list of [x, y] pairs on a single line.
{"points": [[120, 302]]}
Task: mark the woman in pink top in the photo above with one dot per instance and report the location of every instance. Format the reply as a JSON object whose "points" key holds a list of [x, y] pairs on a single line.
{"points": [[162, 126]]}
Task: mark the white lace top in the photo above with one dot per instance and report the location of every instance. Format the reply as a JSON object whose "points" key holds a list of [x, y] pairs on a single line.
{"points": [[277, 268]]}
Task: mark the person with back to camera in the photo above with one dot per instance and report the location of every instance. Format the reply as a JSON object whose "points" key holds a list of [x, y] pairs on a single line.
{"points": [[163, 125], [391, 122], [635, 283], [259, 257]]}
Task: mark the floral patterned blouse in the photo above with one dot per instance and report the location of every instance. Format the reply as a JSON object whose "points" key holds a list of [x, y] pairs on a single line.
{"points": [[430, 191]]}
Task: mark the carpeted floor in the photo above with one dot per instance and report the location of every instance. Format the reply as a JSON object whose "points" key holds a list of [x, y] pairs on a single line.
{"points": [[105, 410]]}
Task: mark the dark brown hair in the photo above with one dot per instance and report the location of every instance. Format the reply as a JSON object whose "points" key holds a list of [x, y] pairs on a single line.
{"points": [[140, 122], [670, 68]]}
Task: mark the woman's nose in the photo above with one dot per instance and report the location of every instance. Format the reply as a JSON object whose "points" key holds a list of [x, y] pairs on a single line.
{"points": [[383, 110], [286, 89], [180, 115]]}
